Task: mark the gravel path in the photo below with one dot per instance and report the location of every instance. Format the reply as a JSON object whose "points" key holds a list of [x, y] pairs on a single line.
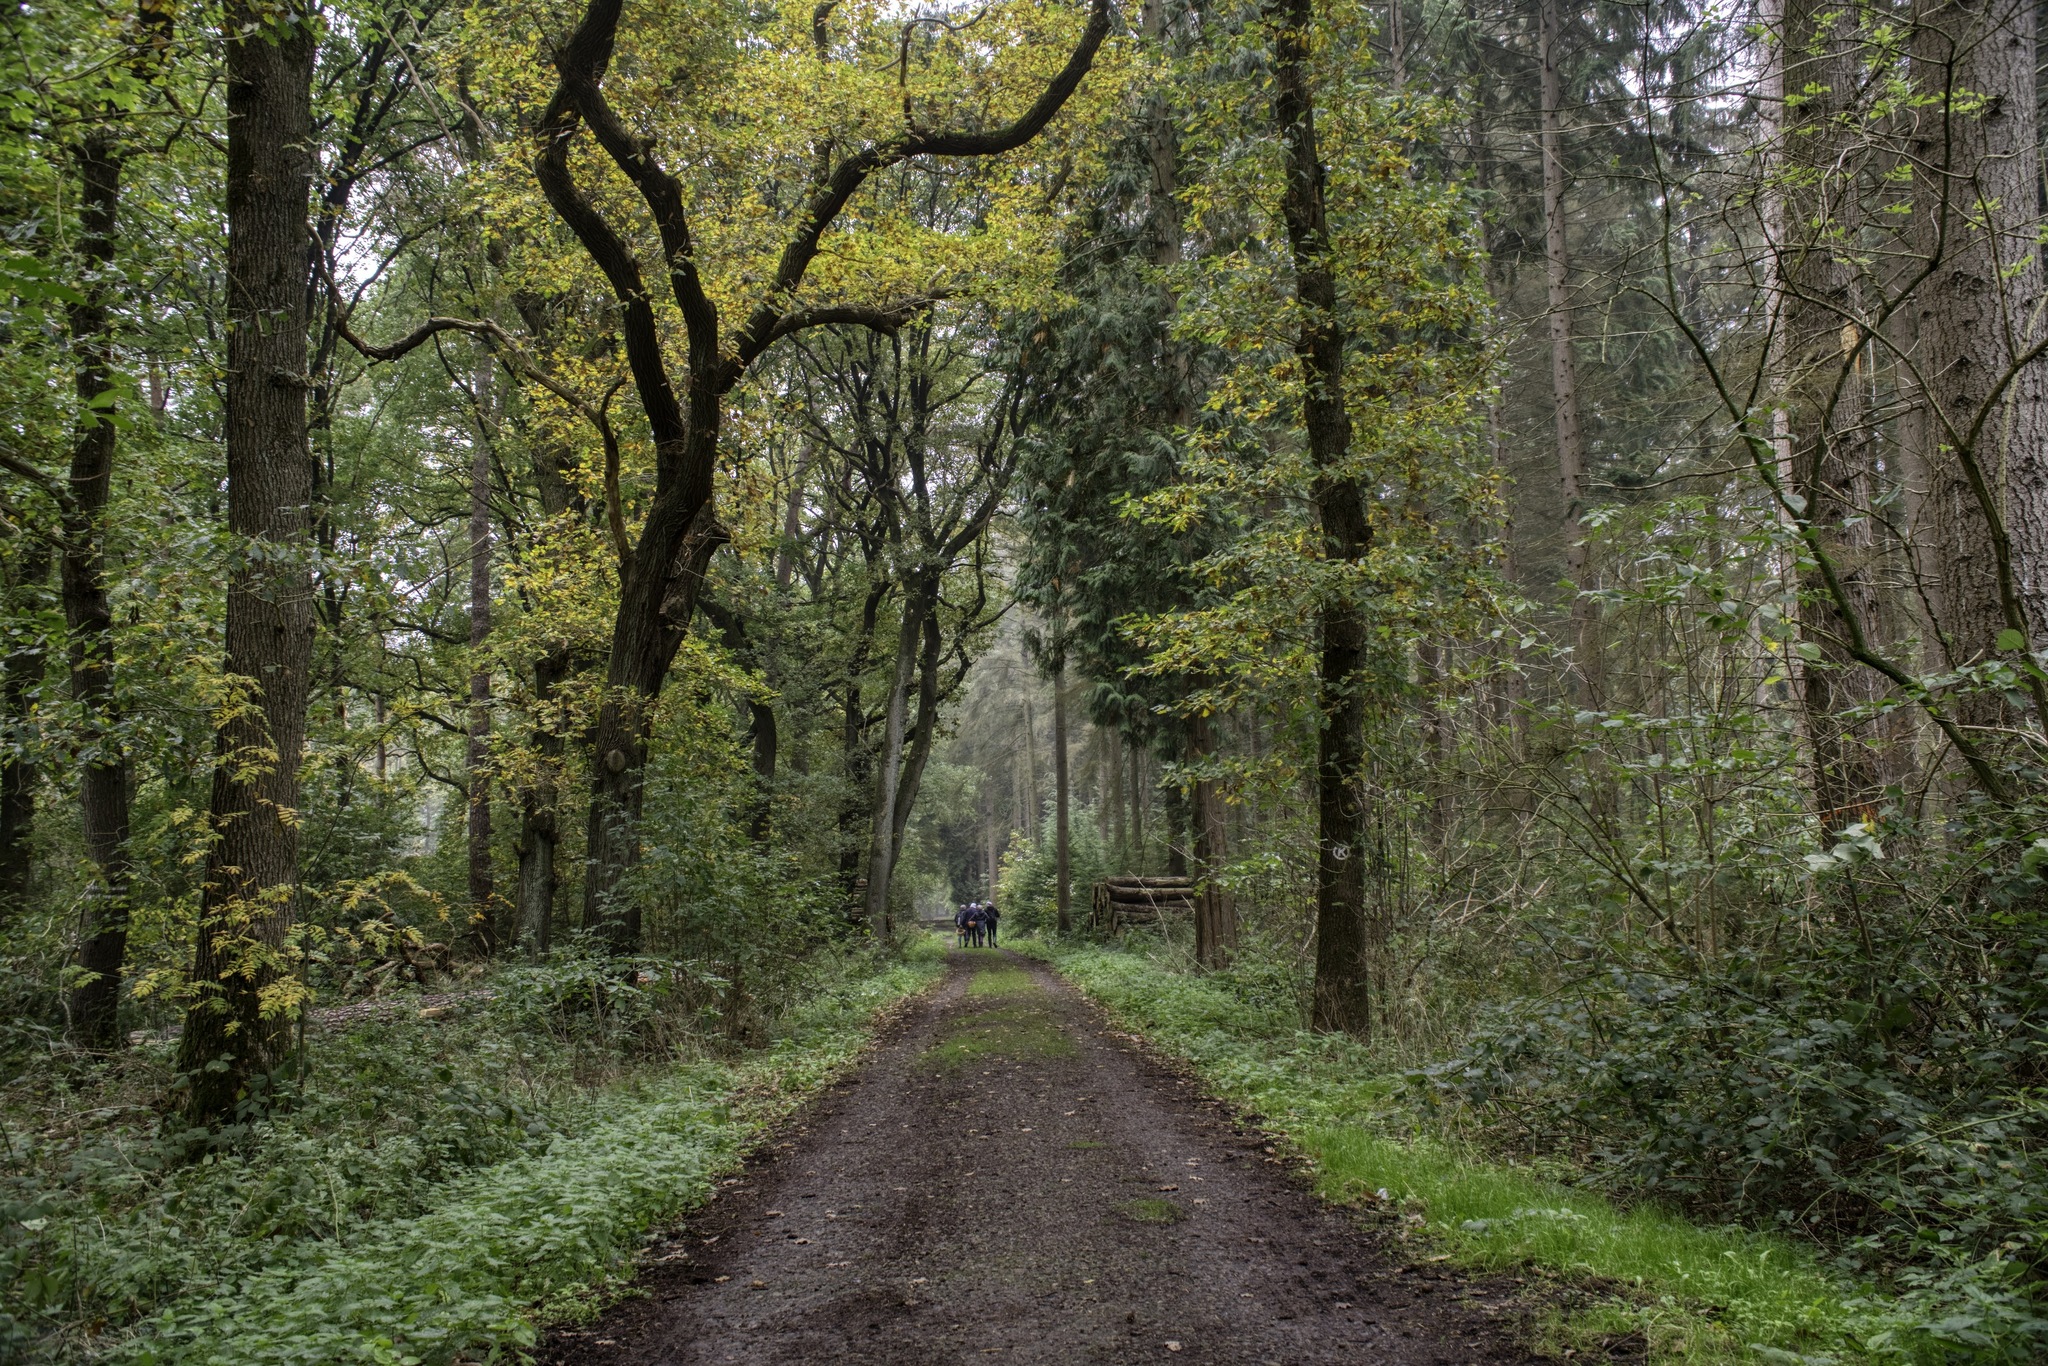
{"points": [[1009, 1179]]}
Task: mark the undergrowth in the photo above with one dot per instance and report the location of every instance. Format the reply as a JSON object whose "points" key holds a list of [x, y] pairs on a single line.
{"points": [[1694, 1294], [435, 1190]]}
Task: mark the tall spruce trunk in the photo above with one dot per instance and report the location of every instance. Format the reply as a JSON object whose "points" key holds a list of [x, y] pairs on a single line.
{"points": [[1141, 793], [483, 892], [1062, 832], [1828, 444], [1215, 911], [1564, 374], [1119, 836], [1174, 816], [103, 780], [1975, 205], [246, 906], [1342, 989], [1031, 806]]}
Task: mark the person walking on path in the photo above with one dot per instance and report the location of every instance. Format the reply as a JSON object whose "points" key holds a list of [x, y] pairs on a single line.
{"points": [[989, 917], [960, 922]]}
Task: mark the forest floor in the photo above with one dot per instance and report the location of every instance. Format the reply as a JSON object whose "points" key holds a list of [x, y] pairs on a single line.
{"points": [[1009, 1178]]}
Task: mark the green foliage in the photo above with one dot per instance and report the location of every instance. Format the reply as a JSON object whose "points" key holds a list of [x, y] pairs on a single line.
{"points": [[429, 1190], [1027, 888]]}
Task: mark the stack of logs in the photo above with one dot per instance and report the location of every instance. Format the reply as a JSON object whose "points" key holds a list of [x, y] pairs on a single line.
{"points": [[1121, 901]]}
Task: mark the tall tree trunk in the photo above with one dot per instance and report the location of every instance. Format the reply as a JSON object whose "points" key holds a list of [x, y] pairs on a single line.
{"points": [[1100, 759], [1975, 207], [1342, 980], [655, 608], [103, 783], [1062, 853], [21, 669], [1175, 818], [1031, 807], [1828, 447], [1113, 755], [889, 762], [540, 825], [1141, 791], [246, 907], [762, 737], [539, 819], [483, 892], [923, 731], [854, 754], [1564, 374], [1215, 910], [992, 865]]}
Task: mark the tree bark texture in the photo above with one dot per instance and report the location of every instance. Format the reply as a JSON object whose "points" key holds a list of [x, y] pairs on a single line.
{"points": [[539, 811], [889, 761], [1141, 793], [1980, 421], [1823, 382], [236, 1031], [644, 645], [1031, 810], [103, 779], [483, 891], [923, 732], [1062, 832], [1342, 979], [1174, 814], [855, 757], [1113, 797], [1564, 375], [762, 736], [540, 826], [1215, 909]]}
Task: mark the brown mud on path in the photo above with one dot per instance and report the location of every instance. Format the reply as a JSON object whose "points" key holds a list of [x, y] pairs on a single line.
{"points": [[1010, 1180]]}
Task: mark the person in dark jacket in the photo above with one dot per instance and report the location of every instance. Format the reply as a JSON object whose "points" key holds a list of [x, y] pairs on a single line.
{"points": [[960, 922], [974, 924], [989, 917]]}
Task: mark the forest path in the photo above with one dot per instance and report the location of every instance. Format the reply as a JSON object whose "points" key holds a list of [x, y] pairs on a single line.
{"points": [[1010, 1179]]}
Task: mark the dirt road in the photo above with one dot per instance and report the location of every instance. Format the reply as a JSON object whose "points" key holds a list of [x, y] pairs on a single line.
{"points": [[1010, 1180]]}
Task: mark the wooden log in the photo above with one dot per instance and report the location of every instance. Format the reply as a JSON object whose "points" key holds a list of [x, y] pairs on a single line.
{"points": [[1131, 896]]}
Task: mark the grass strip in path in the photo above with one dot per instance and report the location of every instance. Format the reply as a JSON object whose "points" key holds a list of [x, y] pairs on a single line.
{"points": [[531, 1238], [1695, 1295], [1008, 1015]]}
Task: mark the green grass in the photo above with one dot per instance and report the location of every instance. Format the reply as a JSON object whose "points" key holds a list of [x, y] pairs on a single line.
{"points": [[1697, 1295], [1151, 1210], [1018, 1023], [543, 1235], [1007, 980]]}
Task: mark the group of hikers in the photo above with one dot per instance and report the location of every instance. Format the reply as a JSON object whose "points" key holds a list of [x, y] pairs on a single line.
{"points": [[976, 922]]}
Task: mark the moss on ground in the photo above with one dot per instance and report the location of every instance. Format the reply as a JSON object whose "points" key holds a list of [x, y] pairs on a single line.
{"points": [[1019, 1022], [1151, 1210]]}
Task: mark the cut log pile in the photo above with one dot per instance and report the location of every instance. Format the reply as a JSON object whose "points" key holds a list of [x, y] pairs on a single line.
{"points": [[1121, 901]]}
